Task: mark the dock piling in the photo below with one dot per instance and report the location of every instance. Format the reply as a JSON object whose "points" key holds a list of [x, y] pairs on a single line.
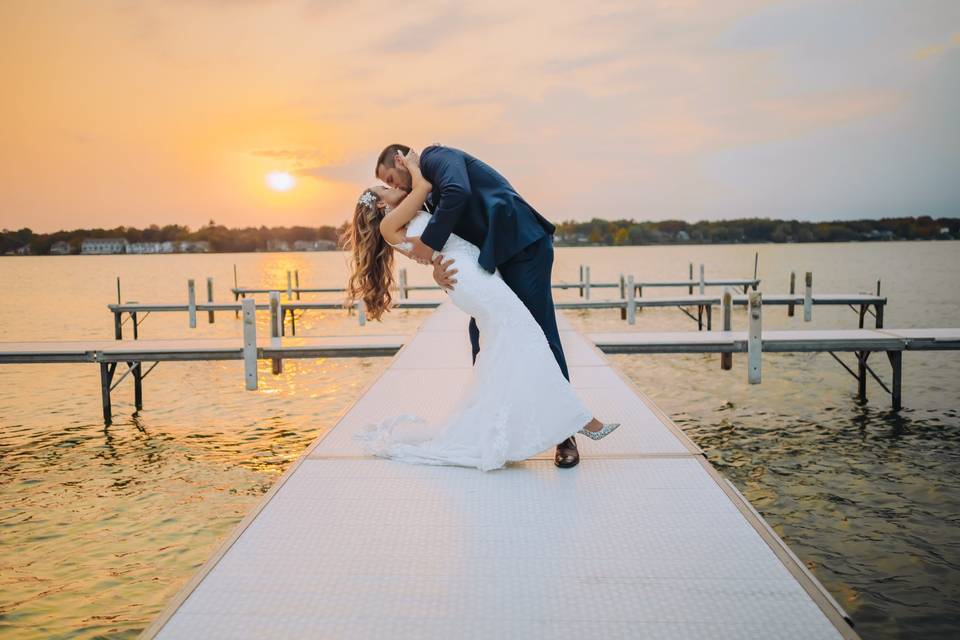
{"points": [[896, 363], [808, 297], [236, 295], [137, 369], [726, 359], [793, 289], [361, 313], [623, 296], [210, 299], [580, 281], [296, 283], [275, 328], [690, 288], [754, 344], [250, 343], [702, 281], [289, 285], [586, 282], [118, 290], [878, 309], [106, 378], [631, 309], [862, 374], [192, 303], [402, 283]]}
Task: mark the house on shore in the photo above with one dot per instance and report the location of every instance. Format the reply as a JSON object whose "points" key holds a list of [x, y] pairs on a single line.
{"points": [[194, 246], [60, 248], [314, 245], [150, 247], [103, 246]]}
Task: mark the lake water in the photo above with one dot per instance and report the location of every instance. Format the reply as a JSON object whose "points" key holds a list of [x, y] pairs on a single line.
{"points": [[99, 527]]}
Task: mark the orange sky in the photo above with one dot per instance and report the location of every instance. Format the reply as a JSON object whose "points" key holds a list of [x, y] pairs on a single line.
{"points": [[137, 112]]}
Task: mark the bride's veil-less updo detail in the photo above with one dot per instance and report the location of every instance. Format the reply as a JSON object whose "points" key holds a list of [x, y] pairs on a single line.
{"points": [[371, 258]]}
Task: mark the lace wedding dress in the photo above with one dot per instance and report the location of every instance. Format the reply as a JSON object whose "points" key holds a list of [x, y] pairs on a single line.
{"points": [[517, 402]]}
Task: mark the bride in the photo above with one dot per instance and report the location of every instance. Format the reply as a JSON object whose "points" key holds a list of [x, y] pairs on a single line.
{"points": [[518, 402]]}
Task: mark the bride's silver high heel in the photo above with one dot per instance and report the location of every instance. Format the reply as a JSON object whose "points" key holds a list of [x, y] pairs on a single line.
{"points": [[608, 428]]}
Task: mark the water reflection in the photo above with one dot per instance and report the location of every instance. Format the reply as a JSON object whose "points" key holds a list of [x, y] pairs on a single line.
{"points": [[99, 526]]}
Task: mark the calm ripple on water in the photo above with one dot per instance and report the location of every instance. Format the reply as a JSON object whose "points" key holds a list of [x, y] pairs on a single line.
{"points": [[99, 527]]}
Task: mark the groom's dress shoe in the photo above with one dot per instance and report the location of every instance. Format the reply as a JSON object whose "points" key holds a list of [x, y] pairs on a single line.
{"points": [[567, 455]]}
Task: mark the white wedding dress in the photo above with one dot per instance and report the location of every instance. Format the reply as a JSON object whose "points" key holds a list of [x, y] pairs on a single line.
{"points": [[517, 402]]}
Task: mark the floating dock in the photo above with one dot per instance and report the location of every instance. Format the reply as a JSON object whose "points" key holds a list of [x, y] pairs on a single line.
{"points": [[137, 354], [643, 539], [779, 341], [861, 342], [863, 304]]}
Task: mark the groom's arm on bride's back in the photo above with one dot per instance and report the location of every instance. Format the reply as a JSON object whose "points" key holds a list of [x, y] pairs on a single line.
{"points": [[446, 170]]}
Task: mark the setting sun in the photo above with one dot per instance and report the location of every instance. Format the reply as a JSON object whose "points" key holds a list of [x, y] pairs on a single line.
{"points": [[280, 181]]}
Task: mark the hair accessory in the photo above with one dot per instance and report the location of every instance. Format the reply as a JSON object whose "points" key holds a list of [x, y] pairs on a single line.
{"points": [[368, 198]]}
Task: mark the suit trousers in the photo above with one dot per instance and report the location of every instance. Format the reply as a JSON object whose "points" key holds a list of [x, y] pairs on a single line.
{"points": [[528, 273]]}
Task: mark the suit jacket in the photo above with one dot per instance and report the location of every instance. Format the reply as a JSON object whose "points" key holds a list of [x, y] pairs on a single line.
{"points": [[471, 199]]}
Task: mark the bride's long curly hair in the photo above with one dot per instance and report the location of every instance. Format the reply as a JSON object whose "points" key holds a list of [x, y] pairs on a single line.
{"points": [[371, 258]]}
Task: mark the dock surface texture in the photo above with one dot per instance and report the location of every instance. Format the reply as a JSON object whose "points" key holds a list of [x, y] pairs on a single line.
{"points": [[644, 539]]}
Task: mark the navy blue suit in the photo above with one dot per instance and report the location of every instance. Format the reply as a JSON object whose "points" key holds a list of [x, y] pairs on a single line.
{"points": [[471, 199]]}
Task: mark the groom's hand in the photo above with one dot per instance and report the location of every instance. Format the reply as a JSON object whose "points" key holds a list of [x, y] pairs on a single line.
{"points": [[443, 274], [421, 252]]}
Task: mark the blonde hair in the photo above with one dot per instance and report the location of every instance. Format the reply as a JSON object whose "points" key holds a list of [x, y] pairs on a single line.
{"points": [[371, 258]]}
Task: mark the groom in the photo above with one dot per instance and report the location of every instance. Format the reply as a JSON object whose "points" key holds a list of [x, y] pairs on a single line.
{"points": [[471, 199]]}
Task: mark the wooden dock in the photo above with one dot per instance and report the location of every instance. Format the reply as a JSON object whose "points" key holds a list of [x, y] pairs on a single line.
{"points": [[643, 539]]}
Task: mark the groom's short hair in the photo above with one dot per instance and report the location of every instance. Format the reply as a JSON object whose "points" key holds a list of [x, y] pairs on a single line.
{"points": [[386, 156]]}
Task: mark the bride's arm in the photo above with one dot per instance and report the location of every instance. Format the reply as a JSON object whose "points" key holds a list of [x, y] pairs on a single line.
{"points": [[393, 224]]}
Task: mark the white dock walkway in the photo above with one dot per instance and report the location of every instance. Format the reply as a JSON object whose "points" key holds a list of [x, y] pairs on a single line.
{"points": [[643, 539]]}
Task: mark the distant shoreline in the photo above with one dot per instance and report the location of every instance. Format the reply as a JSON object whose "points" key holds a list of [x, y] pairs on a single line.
{"points": [[558, 245], [214, 238]]}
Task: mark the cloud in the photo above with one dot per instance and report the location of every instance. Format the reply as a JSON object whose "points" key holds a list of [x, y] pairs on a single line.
{"points": [[428, 34], [938, 49], [357, 171]]}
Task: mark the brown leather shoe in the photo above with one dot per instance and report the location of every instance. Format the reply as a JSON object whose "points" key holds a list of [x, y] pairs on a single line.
{"points": [[567, 455]]}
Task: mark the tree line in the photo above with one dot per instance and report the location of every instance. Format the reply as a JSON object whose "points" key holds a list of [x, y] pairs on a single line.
{"points": [[753, 230], [221, 238], [570, 233]]}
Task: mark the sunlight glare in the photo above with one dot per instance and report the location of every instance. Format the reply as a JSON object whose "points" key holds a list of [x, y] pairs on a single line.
{"points": [[280, 181]]}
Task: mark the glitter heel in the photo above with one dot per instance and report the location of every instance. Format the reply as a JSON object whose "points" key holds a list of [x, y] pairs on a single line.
{"points": [[596, 435]]}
